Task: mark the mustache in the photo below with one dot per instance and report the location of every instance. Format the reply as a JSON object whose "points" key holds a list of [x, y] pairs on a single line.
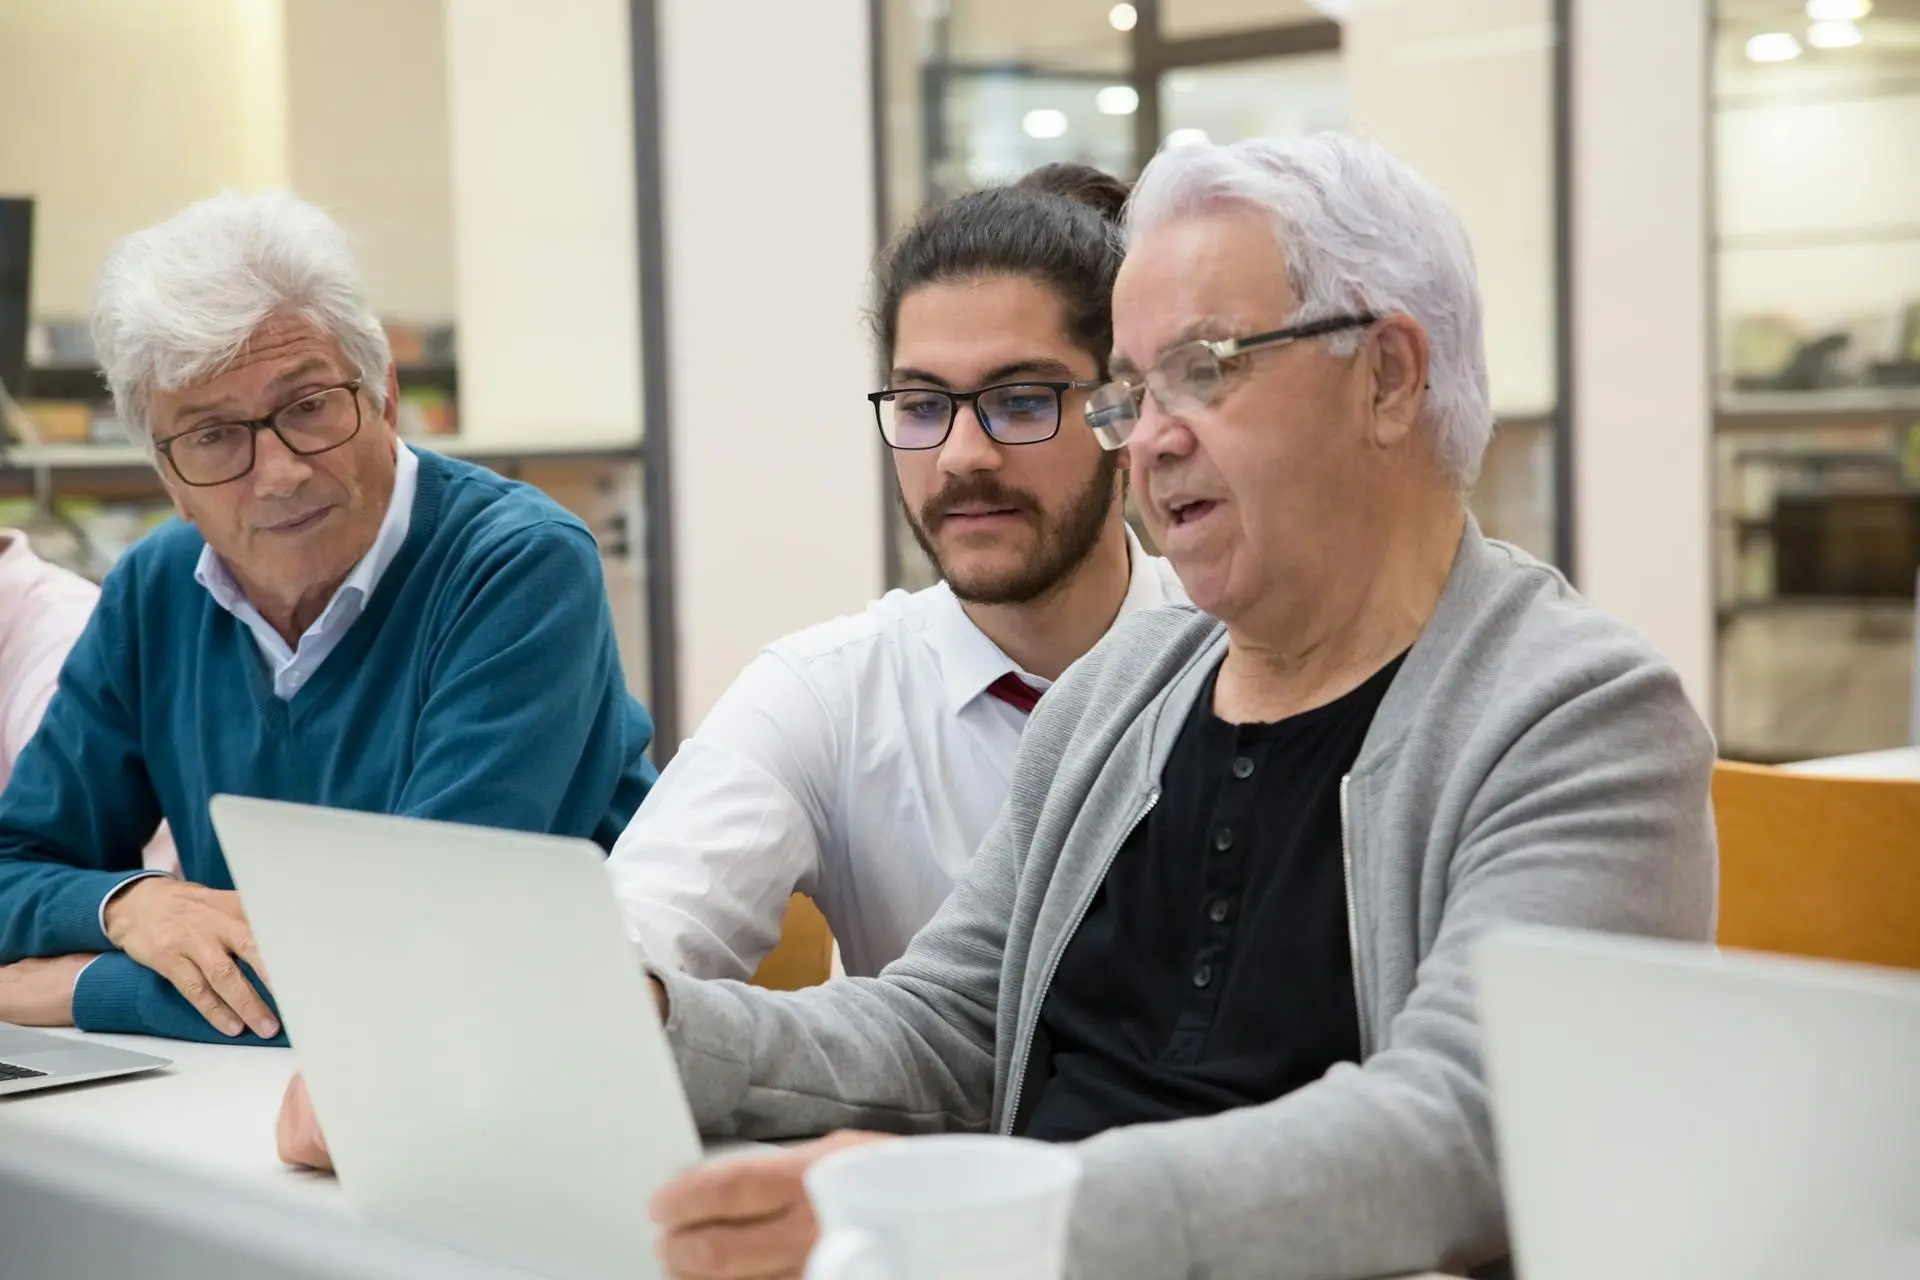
{"points": [[981, 489]]}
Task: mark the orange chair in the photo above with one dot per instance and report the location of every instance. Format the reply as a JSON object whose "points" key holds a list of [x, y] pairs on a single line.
{"points": [[1819, 866], [804, 955]]}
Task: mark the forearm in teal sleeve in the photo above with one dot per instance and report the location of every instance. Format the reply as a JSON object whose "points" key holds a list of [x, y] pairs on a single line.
{"points": [[47, 909], [116, 993]]}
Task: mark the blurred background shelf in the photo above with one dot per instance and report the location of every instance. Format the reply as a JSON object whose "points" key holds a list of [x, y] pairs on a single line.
{"points": [[120, 470], [84, 382], [1767, 410]]}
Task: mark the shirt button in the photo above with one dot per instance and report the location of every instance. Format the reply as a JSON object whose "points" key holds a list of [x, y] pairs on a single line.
{"points": [[1223, 839], [1243, 767], [1219, 911], [1203, 975]]}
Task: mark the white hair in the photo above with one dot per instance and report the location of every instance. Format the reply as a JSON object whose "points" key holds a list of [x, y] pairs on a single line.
{"points": [[1360, 231], [177, 302]]}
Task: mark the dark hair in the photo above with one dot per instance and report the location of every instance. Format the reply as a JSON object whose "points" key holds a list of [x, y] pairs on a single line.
{"points": [[1057, 225]]}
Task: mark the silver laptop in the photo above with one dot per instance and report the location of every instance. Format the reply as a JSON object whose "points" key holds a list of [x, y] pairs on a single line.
{"points": [[43, 1060], [478, 1036], [1669, 1111]]}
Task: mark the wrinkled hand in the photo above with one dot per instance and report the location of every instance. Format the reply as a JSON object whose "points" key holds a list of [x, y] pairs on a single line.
{"points": [[297, 1133], [39, 993], [744, 1216], [190, 935]]}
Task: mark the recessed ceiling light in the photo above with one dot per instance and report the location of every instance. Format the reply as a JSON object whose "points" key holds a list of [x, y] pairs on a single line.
{"points": [[1833, 35], [1044, 122], [1122, 17], [1774, 46], [1117, 100], [1188, 138], [1838, 10]]}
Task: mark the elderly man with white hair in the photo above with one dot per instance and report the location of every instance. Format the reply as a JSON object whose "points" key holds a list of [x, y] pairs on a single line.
{"points": [[334, 619], [1218, 937]]}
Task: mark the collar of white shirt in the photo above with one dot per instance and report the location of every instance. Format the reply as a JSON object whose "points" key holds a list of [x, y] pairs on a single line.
{"points": [[970, 662], [290, 667]]}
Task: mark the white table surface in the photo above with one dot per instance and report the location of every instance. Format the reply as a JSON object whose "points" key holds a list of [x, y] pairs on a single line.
{"points": [[1901, 763], [191, 1147], [87, 1172]]}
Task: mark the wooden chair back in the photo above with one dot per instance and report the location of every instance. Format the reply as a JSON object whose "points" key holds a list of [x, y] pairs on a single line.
{"points": [[804, 955], [1819, 865]]}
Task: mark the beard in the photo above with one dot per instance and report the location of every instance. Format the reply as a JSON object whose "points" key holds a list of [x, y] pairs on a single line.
{"points": [[1064, 544]]}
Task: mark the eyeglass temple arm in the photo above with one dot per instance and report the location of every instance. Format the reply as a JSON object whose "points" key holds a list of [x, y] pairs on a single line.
{"points": [[1293, 333]]}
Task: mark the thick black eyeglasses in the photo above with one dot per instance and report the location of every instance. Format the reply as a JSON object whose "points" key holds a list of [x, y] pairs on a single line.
{"points": [[1192, 375], [222, 452], [1009, 412]]}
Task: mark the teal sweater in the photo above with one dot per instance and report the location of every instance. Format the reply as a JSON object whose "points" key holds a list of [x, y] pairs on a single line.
{"points": [[481, 684]]}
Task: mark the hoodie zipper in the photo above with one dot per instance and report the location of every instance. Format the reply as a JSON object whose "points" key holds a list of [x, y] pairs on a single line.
{"points": [[1353, 916], [1040, 996]]}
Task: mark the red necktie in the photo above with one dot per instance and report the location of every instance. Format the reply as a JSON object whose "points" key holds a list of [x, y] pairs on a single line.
{"points": [[1016, 693]]}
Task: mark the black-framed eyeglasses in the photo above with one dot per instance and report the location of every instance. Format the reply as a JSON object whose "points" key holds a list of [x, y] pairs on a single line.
{"points": [[1009, 412], [221, 452], [1192, 375]]}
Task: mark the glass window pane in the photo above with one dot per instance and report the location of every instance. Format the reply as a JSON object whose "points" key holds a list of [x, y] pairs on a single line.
{"points": [[996, 125], [1461, 89], [1817, 435], [1264, 98], [1183, 18]]}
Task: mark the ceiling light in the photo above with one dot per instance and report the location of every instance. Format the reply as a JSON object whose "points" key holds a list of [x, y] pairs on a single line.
{"points": [[1117, 100], [1188, 138], [1774, 46], [1122, 17], [1838, 10], [1833, 35], [1044, 122]]}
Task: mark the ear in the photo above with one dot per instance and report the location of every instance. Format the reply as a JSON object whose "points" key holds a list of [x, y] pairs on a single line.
{"points": [[1400, 354], [392, 412]]}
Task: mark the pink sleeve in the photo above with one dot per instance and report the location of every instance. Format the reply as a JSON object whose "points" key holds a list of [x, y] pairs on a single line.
{"points": [[45, 609]]}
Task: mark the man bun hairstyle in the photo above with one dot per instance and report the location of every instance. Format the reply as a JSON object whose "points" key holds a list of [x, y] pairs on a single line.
{"points": [[1058, 225], [1095, 188]]}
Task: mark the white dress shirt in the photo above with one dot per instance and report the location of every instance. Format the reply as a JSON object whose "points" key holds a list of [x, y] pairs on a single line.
{"points": [[292, 667], [860, 762], [43, 609]]}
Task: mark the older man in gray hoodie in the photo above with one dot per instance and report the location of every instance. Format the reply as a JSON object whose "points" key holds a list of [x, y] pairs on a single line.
{"points": [[1219, 934]]}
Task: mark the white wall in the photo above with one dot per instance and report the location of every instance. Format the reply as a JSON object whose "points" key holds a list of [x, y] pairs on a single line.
{"points": [[1640, 325], [366, 109], [1463, 91], [769, 233], [540, 112], [115, 114]]}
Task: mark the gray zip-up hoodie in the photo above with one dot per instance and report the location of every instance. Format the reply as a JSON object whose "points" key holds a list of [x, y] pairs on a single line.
{"points": [[1533, 761]]}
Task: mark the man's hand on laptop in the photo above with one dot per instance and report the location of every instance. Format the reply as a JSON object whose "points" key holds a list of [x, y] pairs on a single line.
{"points": [[297, 1132], [39, 993], [744, 1216], [194, 937]]}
